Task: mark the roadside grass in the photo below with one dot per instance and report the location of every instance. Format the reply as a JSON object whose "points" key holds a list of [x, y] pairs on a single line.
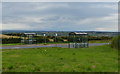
{"points": [[14, 44], [54, 59], [11, 44]]}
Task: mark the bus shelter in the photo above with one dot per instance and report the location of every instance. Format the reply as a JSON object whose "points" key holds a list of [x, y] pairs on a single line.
{"points": [[28, 38], [78, 40]]}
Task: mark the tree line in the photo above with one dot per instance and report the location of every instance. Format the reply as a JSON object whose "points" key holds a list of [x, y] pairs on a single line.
{"points": [[42, 39]]}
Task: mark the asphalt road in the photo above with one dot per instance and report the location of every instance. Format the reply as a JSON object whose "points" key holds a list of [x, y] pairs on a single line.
{"points": [[50, 45]]}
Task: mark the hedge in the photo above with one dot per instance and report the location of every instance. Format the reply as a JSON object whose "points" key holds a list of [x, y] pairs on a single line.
{"points": [[10, 40], [116, 42]]}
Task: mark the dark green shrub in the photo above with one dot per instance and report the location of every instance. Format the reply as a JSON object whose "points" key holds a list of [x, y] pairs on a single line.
{"points": [[14, 34], [99, 38], [11, 40], [58, 39], [116, 42], [42, 39]]}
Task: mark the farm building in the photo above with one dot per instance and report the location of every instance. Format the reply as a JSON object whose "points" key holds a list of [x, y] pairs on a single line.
{"points": [[77, 40], [28, 38]]}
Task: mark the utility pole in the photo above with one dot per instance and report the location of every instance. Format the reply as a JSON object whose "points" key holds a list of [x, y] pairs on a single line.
{"points": [[44, 38], [56, 38]]}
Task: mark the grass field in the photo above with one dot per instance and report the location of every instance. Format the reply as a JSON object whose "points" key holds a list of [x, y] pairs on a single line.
{"points": [[7, 36], [92, 59]]}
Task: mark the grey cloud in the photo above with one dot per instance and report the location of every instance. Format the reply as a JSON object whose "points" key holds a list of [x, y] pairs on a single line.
{"points": [[56, 16]]}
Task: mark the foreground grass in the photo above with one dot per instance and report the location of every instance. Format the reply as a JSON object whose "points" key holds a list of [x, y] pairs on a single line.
{"points": [[92, 59]]}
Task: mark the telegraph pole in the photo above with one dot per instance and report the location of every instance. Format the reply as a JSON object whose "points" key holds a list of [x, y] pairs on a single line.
{"points": [[56, 38], [44, 38]]}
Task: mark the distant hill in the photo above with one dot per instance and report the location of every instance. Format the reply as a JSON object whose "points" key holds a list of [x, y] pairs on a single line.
{"points": [[61, 33]]}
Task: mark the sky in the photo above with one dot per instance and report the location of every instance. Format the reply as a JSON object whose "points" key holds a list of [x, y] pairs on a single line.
{"points": [[60, 16], [60, 0]]}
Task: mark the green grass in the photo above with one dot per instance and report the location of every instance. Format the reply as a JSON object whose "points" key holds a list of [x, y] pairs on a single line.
{"points": [[12, 44], [92, 59]]}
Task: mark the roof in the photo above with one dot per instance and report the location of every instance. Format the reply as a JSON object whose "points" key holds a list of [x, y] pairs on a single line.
{"points": [[29, 33], [77, 33]]}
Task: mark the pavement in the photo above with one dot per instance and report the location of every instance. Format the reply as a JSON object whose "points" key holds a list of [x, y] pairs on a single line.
{"points": [[49, 45]]}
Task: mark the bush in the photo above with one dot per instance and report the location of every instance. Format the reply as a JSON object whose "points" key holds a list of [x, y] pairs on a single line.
{"points": [[58, 39], [99, 38], [14, 34], [41, 39], [116, 42], [10, 40]]}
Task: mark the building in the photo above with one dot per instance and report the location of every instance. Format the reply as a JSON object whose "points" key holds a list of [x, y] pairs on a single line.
{"points": [[78, 40], [28, 38]]}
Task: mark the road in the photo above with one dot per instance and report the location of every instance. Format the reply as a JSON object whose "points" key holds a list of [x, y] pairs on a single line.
{"points": [[50, 45]]}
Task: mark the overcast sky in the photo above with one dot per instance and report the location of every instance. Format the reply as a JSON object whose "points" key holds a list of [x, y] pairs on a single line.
{"points": [[60, 16]]}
